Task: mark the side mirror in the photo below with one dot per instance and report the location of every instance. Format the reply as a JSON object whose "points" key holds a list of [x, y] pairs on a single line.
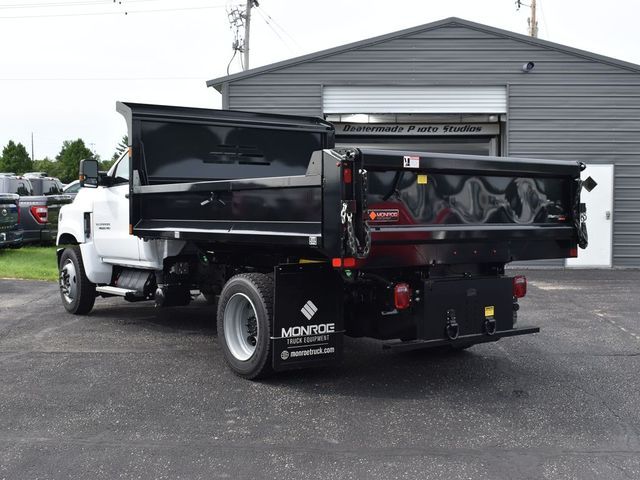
{"points": [[89, 173]]}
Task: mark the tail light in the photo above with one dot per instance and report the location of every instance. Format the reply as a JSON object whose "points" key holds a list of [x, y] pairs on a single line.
{"points": [[40, 213], [348, 262], [402, 296], [347, 175], [519, 286]]}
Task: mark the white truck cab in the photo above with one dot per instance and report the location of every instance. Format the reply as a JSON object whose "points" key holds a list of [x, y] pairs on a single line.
{"points": [[96, 233]]}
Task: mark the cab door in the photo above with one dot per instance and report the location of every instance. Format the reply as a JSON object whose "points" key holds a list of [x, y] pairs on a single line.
{"points": [[111, 217]]}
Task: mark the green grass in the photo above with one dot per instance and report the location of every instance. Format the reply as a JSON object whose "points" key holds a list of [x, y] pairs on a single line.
{"points": [[33, 263]]}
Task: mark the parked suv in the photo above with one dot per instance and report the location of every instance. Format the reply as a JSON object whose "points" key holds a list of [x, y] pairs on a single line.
{"points": [[40, 202], [10, 230]]}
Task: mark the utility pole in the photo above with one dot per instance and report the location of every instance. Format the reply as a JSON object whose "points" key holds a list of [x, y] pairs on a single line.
{"points": [[532, 21], [239, 19], [247, 31], [32, 157]]}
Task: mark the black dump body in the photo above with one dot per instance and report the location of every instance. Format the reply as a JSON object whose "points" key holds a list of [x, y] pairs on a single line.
{"points": [[258, 183]]}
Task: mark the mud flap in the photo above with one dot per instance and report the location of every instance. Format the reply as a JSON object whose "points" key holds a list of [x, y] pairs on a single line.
{"points": [[308, 325]]}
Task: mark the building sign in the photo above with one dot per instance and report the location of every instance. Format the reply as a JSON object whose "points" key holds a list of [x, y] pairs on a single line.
{"points": [[417, 129]]}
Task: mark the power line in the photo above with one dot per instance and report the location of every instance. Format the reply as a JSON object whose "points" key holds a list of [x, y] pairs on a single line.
{"points": [[81, 3], [273, 29], [543, 15], [57, 4], [85, 14], [263, 12]]}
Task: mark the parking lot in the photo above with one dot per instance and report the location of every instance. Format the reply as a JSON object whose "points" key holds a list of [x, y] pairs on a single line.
{"points": [[131, 391]]}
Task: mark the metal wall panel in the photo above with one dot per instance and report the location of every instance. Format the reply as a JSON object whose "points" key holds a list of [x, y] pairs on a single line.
{"points": [[547, 121], [300, 99]]}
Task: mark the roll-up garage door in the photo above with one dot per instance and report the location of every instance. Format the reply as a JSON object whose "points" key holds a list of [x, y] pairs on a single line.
{"points": [[414, 99]]}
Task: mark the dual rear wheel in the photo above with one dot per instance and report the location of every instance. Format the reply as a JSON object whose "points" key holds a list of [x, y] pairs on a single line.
{"points": [[245, 313]]}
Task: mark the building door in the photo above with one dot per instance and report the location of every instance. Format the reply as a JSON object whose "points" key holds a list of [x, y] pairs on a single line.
{"points": [[599, 219]]}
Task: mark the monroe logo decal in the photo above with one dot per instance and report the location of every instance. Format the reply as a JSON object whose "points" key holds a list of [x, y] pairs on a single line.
{"points": [[309, 310], [384, 215]]}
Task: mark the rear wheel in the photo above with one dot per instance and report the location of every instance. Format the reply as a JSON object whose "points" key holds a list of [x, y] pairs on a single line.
{"points": [[77, 292], [245, 310]]}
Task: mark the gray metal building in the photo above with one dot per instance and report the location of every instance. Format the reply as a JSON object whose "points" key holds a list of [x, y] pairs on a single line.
{"points": [[459, 86]]}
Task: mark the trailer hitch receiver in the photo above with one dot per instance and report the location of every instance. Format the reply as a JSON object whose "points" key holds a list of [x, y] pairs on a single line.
{"points": [[490, 326]]}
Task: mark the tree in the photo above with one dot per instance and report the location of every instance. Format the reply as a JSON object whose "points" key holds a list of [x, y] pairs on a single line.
{"points": [[69, 159], [120, 148], [51, 167], [15, 159]]}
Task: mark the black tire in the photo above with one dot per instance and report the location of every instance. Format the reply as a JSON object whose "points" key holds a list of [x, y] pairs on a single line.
{"points": [[81, 302], [258, 289]]}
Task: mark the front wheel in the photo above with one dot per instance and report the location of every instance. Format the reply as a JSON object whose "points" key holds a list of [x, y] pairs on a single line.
{"points": [[77, 292], [245, 312]]}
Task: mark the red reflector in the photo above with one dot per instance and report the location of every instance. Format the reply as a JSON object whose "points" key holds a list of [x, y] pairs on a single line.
{"points": [[347, 175], [40, 213], [349, 262], [519, 286], [343, 262], [402, 296], [573, 252]]}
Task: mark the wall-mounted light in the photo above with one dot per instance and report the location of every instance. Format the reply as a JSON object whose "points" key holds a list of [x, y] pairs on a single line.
{"points": [[527, 67]]}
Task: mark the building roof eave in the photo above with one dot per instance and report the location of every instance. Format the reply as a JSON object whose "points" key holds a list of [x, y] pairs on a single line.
{"points": [[219, 81]]}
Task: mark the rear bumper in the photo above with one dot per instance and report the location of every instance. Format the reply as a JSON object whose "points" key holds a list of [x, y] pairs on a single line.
{"points": [[461, 341], [12, 238]]}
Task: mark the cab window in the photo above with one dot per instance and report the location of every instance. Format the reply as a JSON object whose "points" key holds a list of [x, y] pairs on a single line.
{"points": [[120, 173], [72, 188], [24, 188]]}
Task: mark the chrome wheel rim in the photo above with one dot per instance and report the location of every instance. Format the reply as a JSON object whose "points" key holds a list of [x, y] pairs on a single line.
{"points": [[68, 281], [241, 326]]}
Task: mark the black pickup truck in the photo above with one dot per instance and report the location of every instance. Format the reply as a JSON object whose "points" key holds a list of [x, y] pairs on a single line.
{"points": [[40, 203], [10, 231], [300, 243]]}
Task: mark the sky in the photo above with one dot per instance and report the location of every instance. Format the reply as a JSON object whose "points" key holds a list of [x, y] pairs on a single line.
{"points": [[65, 63]]}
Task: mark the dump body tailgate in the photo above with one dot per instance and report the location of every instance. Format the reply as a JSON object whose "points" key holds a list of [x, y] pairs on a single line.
{"points": [[425, 208]]}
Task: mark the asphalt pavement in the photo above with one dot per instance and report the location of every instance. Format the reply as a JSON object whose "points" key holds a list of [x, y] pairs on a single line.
{"points": [[132, 391]]}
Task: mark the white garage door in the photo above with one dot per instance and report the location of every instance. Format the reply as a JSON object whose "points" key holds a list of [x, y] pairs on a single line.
{"points": [[410, 99]]}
